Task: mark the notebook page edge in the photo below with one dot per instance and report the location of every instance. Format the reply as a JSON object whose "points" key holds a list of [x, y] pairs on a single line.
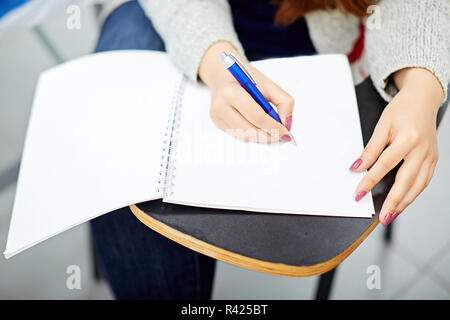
{"points": [[12, 227]]}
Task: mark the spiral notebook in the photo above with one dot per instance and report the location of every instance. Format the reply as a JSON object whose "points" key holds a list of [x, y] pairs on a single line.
{"points": [[117, 128]]}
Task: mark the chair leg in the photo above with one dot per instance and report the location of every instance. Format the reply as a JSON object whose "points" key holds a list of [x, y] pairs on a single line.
{"points": [[388, 234], [45, 40], [325, 282], [96, 262], [9, 176]]}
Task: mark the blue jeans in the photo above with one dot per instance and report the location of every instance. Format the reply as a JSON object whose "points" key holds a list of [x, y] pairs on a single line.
{"points": [[137, 262]]}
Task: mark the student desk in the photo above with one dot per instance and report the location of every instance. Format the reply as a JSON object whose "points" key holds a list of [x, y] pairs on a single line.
{"points": [[281, 244]]}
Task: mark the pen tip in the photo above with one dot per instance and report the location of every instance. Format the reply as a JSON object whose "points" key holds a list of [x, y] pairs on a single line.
{"points": [[293, 140]]}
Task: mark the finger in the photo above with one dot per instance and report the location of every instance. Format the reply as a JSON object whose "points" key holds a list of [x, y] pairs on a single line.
{"points": [[431, 172], [283, 101], [413, 193], [404, 180], [385, 163], [374, 148], [219, 122], [418, 186], [242, 129], [251, 111]]}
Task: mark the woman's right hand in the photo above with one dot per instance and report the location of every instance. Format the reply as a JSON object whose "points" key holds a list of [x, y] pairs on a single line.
{"points": [[234, 110]]}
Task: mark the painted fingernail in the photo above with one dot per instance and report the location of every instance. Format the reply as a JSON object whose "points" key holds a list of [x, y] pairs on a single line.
{"points": [[395, 215], [360, 194], [286, 138], [289, 122], [355, 165], [387, 219]]}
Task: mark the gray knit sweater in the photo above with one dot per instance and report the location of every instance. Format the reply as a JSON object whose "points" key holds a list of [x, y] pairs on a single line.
{"points": [[405, 33]]}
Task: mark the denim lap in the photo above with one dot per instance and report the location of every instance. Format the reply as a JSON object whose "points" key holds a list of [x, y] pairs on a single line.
{"points": [[128, 27]]}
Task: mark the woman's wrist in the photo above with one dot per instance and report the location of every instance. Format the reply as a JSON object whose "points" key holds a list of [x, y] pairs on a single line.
{"points": [[211, 67], [420, 83]]}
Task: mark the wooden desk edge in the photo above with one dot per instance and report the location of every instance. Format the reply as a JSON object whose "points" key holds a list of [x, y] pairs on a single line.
{"points": [[243, 261]]}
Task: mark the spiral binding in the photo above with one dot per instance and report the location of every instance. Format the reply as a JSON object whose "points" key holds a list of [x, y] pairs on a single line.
{"points": [[167, 169]]}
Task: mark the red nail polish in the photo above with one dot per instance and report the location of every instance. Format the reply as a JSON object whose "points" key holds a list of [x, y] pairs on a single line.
{"points": [[355, 165], [360, 195], [286, 138], [387, 219], [289, 122], [395, 215]]}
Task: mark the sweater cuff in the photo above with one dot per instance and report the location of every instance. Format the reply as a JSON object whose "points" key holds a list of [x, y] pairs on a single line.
{"points": [[411, 34], [384, 83]]}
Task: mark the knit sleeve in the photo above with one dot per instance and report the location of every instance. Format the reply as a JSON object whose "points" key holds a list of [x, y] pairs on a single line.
{"points": [[189, 27], [409, 33]]}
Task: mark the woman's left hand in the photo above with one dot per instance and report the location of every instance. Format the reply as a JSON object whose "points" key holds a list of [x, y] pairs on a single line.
{"points": [[407, 127]]}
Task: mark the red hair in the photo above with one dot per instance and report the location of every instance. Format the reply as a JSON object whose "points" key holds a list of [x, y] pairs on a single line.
{"points": [[291, 10]]}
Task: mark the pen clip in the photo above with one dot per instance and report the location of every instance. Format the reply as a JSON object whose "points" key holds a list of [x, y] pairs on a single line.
{"points": [[243, 67]]}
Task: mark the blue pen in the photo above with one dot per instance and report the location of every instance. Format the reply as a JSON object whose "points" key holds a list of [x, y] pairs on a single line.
{"points": [[247, 81]]}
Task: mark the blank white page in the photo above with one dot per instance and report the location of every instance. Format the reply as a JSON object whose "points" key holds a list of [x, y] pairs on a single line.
{"points": [[213, 169], [94, 142]]}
